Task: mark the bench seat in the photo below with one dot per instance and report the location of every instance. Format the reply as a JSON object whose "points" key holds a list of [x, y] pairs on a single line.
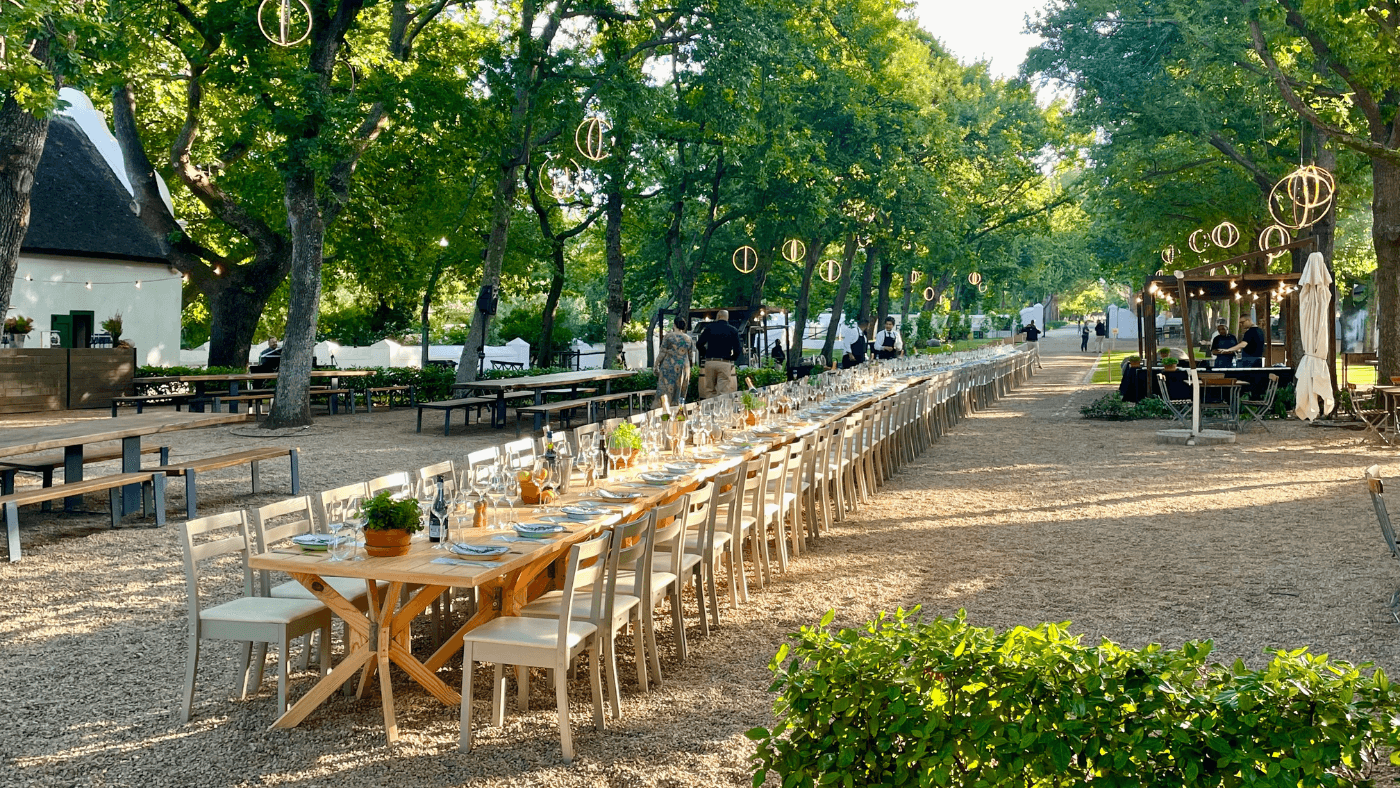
{"points": [[449, 405], [153, 493], [548, 409], [140, 401], [46, 464], [250, 457], [389, 392]]}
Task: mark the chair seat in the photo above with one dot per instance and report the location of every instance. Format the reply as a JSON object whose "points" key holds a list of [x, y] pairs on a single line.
{"points": [[352, 588], [688, 561], [262, 610], [547, 606], [627, 581], [533, 633]]}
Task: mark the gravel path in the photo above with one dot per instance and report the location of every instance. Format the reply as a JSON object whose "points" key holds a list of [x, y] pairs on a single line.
{"points": [[1025, 513]]}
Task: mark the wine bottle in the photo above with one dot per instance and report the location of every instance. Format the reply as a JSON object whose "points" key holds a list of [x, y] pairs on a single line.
{"points": [[437, 516], [603, 455]]}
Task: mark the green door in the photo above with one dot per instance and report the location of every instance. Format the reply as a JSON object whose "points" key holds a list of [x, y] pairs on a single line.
{"points": [[63, 324]]}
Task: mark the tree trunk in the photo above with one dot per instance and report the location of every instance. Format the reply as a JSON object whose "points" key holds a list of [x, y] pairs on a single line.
{"points": [[882, 306], [428, 292], [1385, 234], [804, 297], [838, 304], [292, 406], [612, 240], [904, 309], [235, 308], [544, 356], [504, 205], [867, 277], [21, 145]]}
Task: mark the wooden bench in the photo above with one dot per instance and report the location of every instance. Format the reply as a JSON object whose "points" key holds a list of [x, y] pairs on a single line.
{"points": [[568, 393], [190, 469], [333, 398], [141, 401], [449, 405], [46, 464], [634, 399], [389, 392], [548, 409], [153, 491]]}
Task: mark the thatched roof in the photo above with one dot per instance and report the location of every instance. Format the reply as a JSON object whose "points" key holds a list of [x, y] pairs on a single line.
{"points": [[79, 208]]}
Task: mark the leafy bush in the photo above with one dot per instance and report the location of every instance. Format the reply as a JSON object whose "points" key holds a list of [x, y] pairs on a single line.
{"points": [[923, 330], [1111, 407], [1049, 324], [941, 702], [429, 383], [384, 513]]}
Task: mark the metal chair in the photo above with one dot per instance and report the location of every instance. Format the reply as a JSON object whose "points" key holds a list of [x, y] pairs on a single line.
{"points": [[1179, 407], [1259, 409], [1377, 489], [1373, 417]]}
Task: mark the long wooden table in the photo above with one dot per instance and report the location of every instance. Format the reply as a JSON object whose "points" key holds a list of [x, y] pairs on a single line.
{"points": [[538, 383], [236, 381], [74, 435], [381, 636]]}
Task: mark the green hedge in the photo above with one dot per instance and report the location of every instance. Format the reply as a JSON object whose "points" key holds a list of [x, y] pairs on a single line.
{"points": [[941, 702], [1112, 407]]}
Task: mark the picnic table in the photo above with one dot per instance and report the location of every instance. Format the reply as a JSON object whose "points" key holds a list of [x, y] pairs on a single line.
{"points": [[235, 382], [73, 436], [381, 635], [538, 383]]}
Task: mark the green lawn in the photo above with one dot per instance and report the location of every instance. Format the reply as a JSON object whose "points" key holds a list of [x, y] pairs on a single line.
{"points": [[1361, 375]]}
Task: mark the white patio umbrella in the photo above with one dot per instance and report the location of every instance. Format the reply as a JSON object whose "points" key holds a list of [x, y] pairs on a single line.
{"points": [[1314, 379]]}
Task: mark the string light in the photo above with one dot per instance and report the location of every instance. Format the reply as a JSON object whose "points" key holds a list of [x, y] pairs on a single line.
{"points": [[88, 283], [138, 284]]}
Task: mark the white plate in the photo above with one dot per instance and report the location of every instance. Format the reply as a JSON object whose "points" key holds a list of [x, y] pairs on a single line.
{"points": [[538, 530], [582, 512], [478, 550], [618, 496]]}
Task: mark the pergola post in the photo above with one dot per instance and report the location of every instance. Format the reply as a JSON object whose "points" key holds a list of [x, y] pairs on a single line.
{"points": [[1185, 296]]}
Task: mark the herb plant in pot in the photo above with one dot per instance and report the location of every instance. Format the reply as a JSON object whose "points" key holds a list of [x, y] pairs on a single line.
{"points": [[1135, 361], [18, 327], [628, 439], [390, 524], [1169, 364], [751, 404]]}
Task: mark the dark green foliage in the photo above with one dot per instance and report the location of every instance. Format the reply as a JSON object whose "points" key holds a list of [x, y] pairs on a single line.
{"points": [[362, 326], [1284, 401], [384, 513], [920, 703], [525, 322], [959, 327], [429, 383], [923, 330], [1111, 407]]}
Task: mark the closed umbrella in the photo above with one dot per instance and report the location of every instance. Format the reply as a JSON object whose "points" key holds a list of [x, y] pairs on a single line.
{"points": [[1314, 379]]}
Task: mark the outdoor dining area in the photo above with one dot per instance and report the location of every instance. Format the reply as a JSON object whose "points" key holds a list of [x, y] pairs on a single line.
{"points": [[542, 550]]}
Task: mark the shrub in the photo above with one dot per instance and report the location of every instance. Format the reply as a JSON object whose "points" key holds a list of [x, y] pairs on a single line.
{"points": [[1111, 407], [911, 702], [430, 383]]}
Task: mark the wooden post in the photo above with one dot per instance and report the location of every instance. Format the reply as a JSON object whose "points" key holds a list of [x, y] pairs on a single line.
{"points": [[1268, 329], [1186, 318]]}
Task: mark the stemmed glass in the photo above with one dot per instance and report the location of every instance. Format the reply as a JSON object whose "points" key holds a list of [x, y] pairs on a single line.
{"points": [[512, 490], [342, 543], [615, 452], [357, 523], [584, 463], [540, 476]]}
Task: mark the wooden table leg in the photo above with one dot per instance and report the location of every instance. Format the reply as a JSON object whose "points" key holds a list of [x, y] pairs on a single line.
{"points": [[384, 619], [73, 472]]}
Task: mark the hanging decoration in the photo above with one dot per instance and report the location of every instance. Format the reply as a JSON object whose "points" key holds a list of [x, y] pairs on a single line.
{"points": [[974, 278], [831, 271], [928, 293], [1169, 254], [982, 288], [1302, 197], [862, 241], [794, 251], [915, 276], [745, 259], [589, 140], [1274, 235], [1198, 242], [563, 182], [290, 26], [1225, 235]]}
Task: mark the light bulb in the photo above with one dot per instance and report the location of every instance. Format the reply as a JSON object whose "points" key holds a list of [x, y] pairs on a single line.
{"points": [[442, 242], [88, 285], [138, 284]]}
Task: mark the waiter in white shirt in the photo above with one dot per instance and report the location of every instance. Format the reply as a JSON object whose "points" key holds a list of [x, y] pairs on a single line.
{"points": [[888, 343]]}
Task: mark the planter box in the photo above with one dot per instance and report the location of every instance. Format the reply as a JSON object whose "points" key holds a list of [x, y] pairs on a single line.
{"points": [[41, 379]]}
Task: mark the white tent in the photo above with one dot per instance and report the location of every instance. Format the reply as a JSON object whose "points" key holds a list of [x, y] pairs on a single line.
{"points": [[1124, 320], [1036, 313]]}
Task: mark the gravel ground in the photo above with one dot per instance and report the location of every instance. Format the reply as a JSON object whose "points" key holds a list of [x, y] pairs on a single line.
{"points": [[1025, 513]]}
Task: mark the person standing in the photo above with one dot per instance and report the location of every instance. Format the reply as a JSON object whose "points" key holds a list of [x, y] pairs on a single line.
{"points": [[673, 363], [777, 353], [1251, 344], [859, 348], [719, 348], [1220, 347], [1032, 333], [1100, 332], [1083, 336], [888, 343]]}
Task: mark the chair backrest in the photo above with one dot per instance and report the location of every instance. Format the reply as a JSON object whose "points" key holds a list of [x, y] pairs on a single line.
{"points": [[1377, 488], [394, 483], [585, 435], [634, 543], [728, 494], [339, 505], [278, 521], [584, 569], [611, 424], [428, 478], [697, 516], [669, 530], [217, 544], [1171, 404], [487, 456], [519, 453], [754, 485]]}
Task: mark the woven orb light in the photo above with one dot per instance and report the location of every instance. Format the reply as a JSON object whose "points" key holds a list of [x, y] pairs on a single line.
{"points": [[588, 138], [974, 278], [794, 250], [928, 293], [982, 288], [915, 276], [1302, 197], [1198, 241], [561, 182], [284, 22], [1225, 235], [1274, 235], [831, 270], [745, 259], [1169, 255]]}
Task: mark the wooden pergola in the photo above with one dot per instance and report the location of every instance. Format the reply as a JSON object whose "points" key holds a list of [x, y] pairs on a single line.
{"points": [[1205, 283]]}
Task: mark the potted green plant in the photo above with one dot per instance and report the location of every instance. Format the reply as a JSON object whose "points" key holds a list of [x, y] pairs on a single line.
{"points": [[628, 438], [1169, 364], [390, 524], [1135, 361], [751, 403], [18, 327], [113, 326]]}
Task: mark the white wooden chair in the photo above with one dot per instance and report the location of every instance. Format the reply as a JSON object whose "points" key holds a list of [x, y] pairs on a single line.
{"points": [[631, 548], [771, 518], [427, 479], [340, 504], [519, 453], [1377, 489], [699, 529], [543, 643], [661, 578], [296, 518], [247, 619], [715, 543], [395, 484]]}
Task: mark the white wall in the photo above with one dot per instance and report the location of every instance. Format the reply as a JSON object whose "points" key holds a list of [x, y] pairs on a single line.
{"points": [[384, 353], [46, 285]]}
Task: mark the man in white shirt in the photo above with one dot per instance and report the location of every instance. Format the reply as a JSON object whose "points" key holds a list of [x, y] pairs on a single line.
{"points": [[888, 343]]}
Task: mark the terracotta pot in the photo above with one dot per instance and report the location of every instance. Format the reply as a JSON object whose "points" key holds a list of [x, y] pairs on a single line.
{"points": [[530, 493], [387, 543], [1135, 364], [750, 418], [1169, 368]]}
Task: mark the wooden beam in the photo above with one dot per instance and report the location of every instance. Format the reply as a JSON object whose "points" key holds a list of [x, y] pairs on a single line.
{"points": [[1273, 250]]}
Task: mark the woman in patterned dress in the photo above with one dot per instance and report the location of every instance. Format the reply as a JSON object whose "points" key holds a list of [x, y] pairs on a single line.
{"points": [[673, 364]]}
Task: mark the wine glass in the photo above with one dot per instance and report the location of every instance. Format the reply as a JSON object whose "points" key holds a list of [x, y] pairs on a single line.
{"points": [[615, 453], [512, 483], [342, 542], [356, 519], [540, 475], [584, 463]]}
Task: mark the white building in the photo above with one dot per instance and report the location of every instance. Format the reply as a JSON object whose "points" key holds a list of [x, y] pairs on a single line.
{"points": [[87, 256]]}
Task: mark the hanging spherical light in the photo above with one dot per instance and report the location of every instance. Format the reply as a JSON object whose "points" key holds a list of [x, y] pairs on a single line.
{"points": [[589, 140], [974, 278], [280, 27], [1169, 255], [1225, 235], [745, 259], [831, 271], [794, 250], [1302, 197], [1198, 242], [915, 276], [928, 293], [1273, 236]]}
